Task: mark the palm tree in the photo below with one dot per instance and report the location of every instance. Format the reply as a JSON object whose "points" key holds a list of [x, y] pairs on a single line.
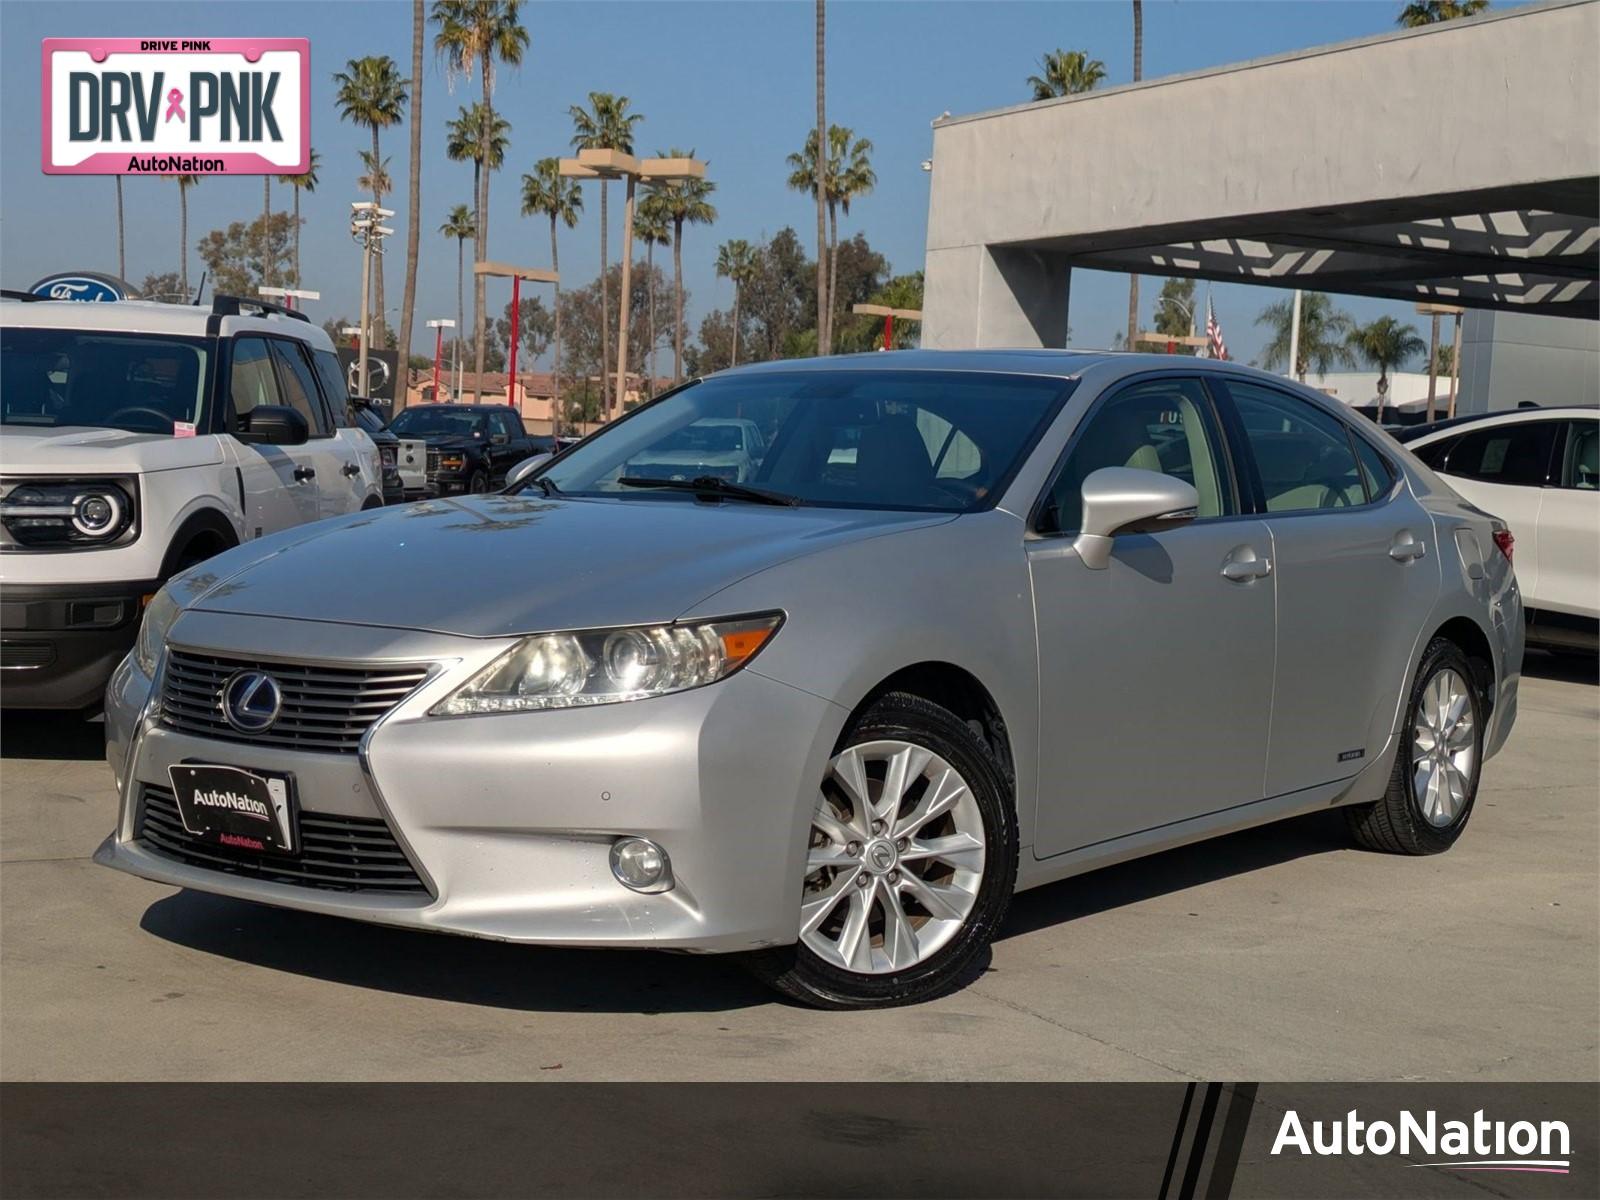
{"points": [[372, 93], [1431, 12], [1323, 330], [300, 183], [408, 302], [460, 226], [685, 202], [122, 258], [821, 192], [546, 193], [1138, 74], [185, 182], [605, 125], [1386, 344], [651, 225], [375, 177], [266, 229], [473, 35], [733, 262], [465, 139], [1066, 73], [849, 174]]}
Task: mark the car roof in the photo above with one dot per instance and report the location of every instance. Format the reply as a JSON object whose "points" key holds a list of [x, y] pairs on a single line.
{"points": [[1420, 434], [147, 316]]}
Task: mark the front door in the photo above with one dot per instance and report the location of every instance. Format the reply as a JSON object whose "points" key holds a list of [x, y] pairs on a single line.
{"points": [[278, 492], [1356, 566], [1156, 674], [1569, 516]]}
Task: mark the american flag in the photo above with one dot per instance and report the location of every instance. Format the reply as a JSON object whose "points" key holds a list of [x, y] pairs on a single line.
{"points": [[1215, 346]]}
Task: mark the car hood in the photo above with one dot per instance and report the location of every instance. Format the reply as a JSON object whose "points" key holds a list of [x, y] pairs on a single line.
{"points": [[443, 441], [490, 566], [80, 449]]}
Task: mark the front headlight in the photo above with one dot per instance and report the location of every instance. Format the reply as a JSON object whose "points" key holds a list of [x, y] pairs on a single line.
{"points": [[453, 462], [606, 666], [158, 618], [53, 512]]}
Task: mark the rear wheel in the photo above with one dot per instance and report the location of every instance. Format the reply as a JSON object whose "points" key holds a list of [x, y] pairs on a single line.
{"points": [[1435, 778], [911, 860]]}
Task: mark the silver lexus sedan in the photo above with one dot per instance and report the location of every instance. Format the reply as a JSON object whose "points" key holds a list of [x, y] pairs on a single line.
{"points": [[974, 622]]}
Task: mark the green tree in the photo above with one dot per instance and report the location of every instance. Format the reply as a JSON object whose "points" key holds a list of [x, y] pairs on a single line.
{"points": [[306, 182], [372, 92], [1175, 313], [162, 287], [850, 175], [375, 176], [653, 227], [245, 255], [685, 202], [185, 182], [1066, 73], [605, 125], [735, 260], [545, 193], [459, 226], [408, 302], [480, 137], [477, 35], [1323, 330], [1444, 360], [1431, 12], [820, 186], [536, 325], [1386, 344]]}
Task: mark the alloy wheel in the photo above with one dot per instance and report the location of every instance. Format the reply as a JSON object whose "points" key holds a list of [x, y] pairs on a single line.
{"points": [[1444, 748], [895, 858]]}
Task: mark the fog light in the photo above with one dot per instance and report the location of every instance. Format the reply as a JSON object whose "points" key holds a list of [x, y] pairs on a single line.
{"points": [[641, 865]]}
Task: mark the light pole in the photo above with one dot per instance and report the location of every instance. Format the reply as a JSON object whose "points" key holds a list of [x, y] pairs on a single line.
{"points": [[1436, 311], [517, 275], [439, 327], [614, 164], [366, 227], [290, 295], [888, 314]]}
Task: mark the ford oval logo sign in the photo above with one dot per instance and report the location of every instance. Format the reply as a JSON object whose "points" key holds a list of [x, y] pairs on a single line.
{"points": [[81, 285], [251, 700]]}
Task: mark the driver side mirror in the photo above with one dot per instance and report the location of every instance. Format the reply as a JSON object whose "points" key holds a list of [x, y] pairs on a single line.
{"points": [[1119, 500], [525, 468], [274, 425]]}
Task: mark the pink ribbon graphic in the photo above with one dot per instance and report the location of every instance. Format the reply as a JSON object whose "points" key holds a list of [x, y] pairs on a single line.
{"points": [[175, 106]]}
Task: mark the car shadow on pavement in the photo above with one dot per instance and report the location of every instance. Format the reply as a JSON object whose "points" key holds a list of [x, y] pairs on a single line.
{"points": [[67, 736], [1566, 668], [1174, 871], [462, 970]]}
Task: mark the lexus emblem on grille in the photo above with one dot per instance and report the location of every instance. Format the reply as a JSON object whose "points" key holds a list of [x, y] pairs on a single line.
{"points": [[251, 700]]}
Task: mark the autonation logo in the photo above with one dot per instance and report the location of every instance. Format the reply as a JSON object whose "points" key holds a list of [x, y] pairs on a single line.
{"points": [[1476, 1145]]}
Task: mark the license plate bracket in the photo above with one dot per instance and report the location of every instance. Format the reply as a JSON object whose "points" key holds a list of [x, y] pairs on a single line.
{"points": [[237, 808]]}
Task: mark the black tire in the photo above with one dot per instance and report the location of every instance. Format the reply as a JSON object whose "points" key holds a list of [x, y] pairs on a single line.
{"points": [[800, 974], [1395, 824], [479, 484]]}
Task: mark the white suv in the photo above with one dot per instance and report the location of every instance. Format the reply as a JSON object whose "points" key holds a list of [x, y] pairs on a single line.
{"points": [[137, 439]]}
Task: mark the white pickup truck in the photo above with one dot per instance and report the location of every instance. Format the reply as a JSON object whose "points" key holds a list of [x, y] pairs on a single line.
{"points": [[137, 439]]}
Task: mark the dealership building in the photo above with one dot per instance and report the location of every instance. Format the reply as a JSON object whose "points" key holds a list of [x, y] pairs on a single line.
{"points": [[1456, 165]]}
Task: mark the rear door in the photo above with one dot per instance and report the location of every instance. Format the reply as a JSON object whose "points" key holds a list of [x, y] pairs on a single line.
{"points": [[1569, 523], [1356, 571], [279, 482]]}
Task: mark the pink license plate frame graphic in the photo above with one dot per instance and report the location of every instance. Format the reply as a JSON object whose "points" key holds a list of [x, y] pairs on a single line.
{"points": [[116, 162]]}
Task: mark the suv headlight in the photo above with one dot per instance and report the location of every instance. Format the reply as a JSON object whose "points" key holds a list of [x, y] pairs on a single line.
{"points": [[606, 666], [158, 617], [68, 512]]}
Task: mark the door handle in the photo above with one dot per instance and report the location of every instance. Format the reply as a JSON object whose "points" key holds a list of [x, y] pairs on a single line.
{"points": [[1244, 564], [350, 470], [1406, 547], [302, 474]]}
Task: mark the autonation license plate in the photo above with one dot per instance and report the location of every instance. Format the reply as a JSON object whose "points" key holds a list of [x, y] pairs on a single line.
{"points": [[232, 807]]}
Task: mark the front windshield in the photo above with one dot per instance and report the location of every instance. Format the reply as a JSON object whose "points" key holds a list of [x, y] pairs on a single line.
{"points": [[138, 382], [942, 441], [437, 422]]}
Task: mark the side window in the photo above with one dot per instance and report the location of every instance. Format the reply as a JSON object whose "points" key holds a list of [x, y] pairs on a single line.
{"points": [[1516, 454], [333, 386], [1580, 462], [1376, 472], [251, 380], [1165, 426], [1302, 454], [507, 426], [300, 387], [1434, 453]]}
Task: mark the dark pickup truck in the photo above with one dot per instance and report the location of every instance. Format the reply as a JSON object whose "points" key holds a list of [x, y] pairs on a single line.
{"points": [[471, 447]]}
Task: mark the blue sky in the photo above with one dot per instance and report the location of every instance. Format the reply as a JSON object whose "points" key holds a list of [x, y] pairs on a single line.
{"points": [[733, 80]]}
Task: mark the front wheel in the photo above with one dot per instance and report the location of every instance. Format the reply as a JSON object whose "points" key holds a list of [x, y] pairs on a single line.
{"points": [[910, 863], [479, 483], [1435, 778]]}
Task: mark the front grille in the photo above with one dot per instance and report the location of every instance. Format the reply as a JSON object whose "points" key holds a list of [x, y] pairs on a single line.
{"points": [[433, 461], [340, 854], [325, 708]]}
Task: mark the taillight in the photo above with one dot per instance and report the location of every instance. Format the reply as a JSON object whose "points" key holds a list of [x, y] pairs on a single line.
{"points": [[1506, 543]]}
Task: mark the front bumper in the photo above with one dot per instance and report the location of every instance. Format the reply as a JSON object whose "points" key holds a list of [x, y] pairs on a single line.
{"points": [[509, 819], [60, 642]]}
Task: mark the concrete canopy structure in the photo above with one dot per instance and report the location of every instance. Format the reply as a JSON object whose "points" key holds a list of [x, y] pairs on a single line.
{"points": [[1457, 163]]}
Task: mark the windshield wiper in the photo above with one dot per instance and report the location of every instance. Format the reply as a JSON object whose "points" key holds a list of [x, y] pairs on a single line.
{"points": [[712, 485]]}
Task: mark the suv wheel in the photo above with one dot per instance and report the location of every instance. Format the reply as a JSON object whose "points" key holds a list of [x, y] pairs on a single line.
{"points": [[911, 861], [479, 484]]}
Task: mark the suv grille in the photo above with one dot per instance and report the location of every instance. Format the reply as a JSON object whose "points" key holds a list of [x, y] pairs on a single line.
{"points": [[433, 461], [324, 708], [341, 854]]}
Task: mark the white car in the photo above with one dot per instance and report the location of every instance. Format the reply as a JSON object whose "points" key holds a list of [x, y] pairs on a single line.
{"points": [[729, 448], [137, 439], [1538, 469]]}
